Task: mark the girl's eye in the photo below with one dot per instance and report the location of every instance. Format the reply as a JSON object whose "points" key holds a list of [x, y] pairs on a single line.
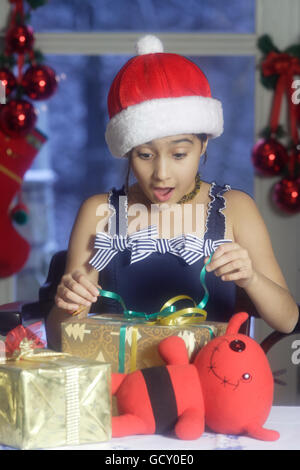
{"points": [[145, 156], [179, 155]]}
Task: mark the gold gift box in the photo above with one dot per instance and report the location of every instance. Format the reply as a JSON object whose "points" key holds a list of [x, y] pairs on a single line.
{"points": [[49, 399], [98, 337]]}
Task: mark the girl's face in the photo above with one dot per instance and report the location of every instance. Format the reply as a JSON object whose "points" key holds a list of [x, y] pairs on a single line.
{"points": [[165, 168]]}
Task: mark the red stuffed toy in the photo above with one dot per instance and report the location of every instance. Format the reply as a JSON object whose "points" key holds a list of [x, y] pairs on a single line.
{"points": [[228, 387]]}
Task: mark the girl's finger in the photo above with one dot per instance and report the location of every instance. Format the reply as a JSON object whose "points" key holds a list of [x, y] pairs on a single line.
{"points": [[224, 259], [231, 267], [225, 248], [80, 290], [66, 306], [235, 276], [72, 297], [86, 283]]}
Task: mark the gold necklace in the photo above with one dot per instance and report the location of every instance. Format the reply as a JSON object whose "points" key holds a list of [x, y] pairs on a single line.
{"points": [[192, 194]]}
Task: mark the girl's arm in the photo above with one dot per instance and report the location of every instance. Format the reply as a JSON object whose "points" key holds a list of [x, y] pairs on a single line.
{"points": [[250, 262], [79, 284]]}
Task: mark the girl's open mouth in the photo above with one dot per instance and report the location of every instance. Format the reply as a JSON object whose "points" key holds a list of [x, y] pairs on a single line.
{"points": [[163, 194]]}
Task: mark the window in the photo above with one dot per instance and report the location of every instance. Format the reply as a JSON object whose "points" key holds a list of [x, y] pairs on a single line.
{"points": [[147, 16]]}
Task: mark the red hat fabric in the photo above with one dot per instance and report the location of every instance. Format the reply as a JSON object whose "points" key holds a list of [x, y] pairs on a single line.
{"points": [[157, 94]]}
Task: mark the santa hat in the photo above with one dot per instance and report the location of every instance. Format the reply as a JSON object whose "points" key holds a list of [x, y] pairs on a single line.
{"points": [[156, 94]]}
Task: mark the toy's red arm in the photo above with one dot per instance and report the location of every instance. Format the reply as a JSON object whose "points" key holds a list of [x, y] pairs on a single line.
{"points": [[173, 351], [116, 380]]}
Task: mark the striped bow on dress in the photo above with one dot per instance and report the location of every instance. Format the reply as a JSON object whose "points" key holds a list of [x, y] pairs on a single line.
{"points": [[145, 242]]}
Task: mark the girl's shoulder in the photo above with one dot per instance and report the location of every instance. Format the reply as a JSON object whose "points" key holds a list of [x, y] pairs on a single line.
{"points": [[96, 199], [96, 209], [238, 200], [94, 203]]}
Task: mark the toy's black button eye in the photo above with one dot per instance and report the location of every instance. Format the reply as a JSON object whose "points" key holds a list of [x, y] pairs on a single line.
{"points": [[237, 345], [246, 376]]}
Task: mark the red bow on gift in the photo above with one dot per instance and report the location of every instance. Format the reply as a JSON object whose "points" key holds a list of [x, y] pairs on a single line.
{"points": [[286, 66], [21, 338]]}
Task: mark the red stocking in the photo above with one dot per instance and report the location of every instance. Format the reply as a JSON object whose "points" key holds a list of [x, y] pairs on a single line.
{"points": [[16, 156]]}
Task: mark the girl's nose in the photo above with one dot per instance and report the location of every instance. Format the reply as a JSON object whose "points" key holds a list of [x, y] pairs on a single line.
{"points": [[161, 169]]}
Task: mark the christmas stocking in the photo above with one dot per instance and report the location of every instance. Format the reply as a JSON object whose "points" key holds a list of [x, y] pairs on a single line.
{"points": [[16, 156]]}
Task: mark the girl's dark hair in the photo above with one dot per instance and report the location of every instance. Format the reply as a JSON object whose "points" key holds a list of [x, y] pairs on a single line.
{"points": [[201, 137], [128, 156]]}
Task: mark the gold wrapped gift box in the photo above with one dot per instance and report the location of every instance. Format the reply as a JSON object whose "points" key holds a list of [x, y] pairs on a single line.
{"points": [[98, 337], [50, 399]]}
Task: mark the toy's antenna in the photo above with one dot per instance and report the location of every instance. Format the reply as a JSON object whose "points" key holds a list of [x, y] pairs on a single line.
{"points": [[235, 322]]}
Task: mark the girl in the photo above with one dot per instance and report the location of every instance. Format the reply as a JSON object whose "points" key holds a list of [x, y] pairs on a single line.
{"points": [[161, 117]]}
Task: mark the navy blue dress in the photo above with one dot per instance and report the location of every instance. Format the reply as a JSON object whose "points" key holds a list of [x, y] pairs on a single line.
{"points": [[160, 271]]}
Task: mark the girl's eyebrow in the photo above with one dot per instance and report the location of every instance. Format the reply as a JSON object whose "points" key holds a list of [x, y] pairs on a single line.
{"points": [[181, 140]]}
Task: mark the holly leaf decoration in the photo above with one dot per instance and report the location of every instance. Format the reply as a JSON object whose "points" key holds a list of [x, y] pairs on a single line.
{"points": [[285, 171], [278, 134], [266, 45], [27, 17], [268, 82], [293, 50], [19, 92], [37, 56], [34, 4], [7, 61]]}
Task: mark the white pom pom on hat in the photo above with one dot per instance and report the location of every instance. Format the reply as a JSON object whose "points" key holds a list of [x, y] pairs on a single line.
{"points": [[149, 45], [158, 94]]}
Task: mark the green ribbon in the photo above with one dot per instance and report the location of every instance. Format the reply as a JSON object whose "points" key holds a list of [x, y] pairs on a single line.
{"points": [[144, 317]]}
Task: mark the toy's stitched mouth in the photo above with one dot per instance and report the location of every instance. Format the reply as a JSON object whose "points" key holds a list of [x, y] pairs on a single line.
{"points": [[223, 380]]}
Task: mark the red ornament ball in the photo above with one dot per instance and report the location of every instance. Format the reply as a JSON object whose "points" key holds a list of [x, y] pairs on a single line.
{"points": [[269, 157], [17, 118], [39, 82], [286, 195], [8, 80], [20, 39]]}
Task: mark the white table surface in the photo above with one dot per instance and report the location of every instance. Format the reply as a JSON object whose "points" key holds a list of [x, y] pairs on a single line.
{"points": [[285, 419]]}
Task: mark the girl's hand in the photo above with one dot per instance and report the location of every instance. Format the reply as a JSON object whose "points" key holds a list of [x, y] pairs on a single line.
{"points": [[231, 262], [76, 290]]}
